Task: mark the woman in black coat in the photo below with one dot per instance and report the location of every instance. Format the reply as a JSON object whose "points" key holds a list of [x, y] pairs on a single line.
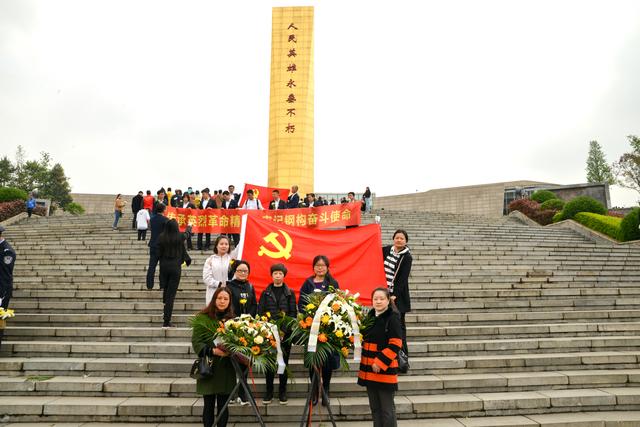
{"points": [[172, 254], [397, 267], [321, 281]]}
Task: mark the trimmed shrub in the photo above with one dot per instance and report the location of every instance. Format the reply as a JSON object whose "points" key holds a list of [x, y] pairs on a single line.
{"points": [[608, 225], [543, 216], [582, 204], [557, 217], [629, 226], [542, 196], [8, 194], [553, 204], [74, 208], [526, 206], [11, 209]]}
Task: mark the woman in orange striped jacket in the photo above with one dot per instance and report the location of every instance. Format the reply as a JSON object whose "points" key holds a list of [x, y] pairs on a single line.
{"points": [[379, 364]]}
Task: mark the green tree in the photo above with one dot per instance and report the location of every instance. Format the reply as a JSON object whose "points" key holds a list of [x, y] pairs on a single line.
{"points": [[597, 168], [57, 186], [6, 172], [627, 169]]}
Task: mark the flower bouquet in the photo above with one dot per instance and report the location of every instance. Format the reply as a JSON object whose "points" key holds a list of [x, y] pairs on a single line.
{"points": [[330, 324], [251, 341], [4, 314]]}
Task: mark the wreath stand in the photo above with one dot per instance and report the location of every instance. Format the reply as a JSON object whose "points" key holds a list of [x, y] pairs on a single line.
{"points": [[241, 382], [315, 384]]}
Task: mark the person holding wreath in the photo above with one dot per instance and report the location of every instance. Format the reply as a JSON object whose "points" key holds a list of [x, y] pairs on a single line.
{"points": [[278, 300], [216, 389], [321, 281], [379, 364]]}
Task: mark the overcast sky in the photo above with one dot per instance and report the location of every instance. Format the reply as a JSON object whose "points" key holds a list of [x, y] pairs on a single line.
{"points": [[410, 96]]}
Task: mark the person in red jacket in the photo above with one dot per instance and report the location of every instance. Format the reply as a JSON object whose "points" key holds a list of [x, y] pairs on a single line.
{"points": [[379, 364], [147, 201]]}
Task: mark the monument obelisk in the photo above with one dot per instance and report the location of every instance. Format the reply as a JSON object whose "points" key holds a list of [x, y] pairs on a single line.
{"points": [[291, 99]]}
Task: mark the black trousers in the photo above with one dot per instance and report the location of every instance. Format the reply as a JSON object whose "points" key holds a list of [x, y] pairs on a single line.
{"points": [[383, 408], [169, 282], [208, 413], [6, 290], [142, 234], [403, 326], [134, 223], [282, 378], [153, 262], [207, 241], [29, 212], [235, 238]]}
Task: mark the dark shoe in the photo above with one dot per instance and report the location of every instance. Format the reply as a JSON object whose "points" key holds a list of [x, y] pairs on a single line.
{"points": [[314, 398], [268, 397], [149, 286], [325, 402], [283, 397]]}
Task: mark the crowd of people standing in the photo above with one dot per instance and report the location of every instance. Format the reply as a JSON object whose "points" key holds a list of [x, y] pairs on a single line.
{"points": [[229, 293]]}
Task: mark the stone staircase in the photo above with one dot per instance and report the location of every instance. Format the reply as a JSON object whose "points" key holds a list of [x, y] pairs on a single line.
{"points": [[512, 326]]}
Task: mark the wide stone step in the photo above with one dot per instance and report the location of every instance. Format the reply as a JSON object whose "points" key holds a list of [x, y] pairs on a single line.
{"points": [[454, 364], [115, 333], [159, 349], [342, 386], [29, 317], [563, 419], [176, 409]]}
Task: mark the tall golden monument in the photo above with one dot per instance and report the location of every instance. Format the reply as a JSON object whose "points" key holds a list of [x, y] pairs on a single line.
{"points": [[291, 102]]}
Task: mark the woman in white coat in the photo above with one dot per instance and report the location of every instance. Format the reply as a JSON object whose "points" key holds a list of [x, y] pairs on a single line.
{"points": [[215, 272]]}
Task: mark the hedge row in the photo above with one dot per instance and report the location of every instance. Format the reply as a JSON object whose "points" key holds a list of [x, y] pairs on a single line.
{"points": [[608, 225], [11, 209]]}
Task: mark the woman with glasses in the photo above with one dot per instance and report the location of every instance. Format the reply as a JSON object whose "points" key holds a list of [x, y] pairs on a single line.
{"points": [[243, 295], [321, 281]]}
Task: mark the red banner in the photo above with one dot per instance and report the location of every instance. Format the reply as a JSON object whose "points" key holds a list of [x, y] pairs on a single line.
{"points": [[355, 255], [229, 220], [263, 194]]}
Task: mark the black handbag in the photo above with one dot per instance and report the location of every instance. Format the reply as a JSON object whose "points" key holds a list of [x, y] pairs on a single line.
{"points": [[403, 362], [403, 358], [203, 367]]}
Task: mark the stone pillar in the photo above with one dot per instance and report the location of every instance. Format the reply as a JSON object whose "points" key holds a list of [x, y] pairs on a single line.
{"points": [[291, 160]]}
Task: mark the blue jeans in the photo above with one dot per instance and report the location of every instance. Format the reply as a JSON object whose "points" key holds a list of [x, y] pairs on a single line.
{"points": [[367, 203], [117, 215]]}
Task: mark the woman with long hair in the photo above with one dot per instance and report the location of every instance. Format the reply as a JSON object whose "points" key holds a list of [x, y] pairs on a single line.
{"points": [[216, 389], [379, 364], [215, 272], [397, 267], [171, 253], [320, 281]]}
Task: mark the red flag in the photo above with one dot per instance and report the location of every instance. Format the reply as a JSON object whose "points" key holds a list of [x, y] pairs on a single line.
{"points": [[355, 254], [263, 194]]}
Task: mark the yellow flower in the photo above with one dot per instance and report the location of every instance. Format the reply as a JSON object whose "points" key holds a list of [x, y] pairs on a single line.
{"points": [[345, 351], [310, 306], [325, 319], [243, 301], [339, 333], [258, 340], [268, 314]]}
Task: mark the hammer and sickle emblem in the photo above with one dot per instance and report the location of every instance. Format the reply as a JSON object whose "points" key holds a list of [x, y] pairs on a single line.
{"points": [[256, 192], [282, 251]]}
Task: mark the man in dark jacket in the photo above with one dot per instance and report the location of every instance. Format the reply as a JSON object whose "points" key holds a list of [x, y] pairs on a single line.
{"points": [[7, 261], [206, 203], [294, 199], [228, 202], [278, 300], [176, 199], [277, 203], [136, 205], [156, 225]]}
